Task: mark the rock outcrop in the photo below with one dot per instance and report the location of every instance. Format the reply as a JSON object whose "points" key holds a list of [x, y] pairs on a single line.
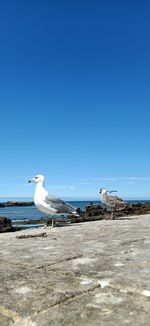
{"points": [[96, 212], [5, 224], [16, 203]]}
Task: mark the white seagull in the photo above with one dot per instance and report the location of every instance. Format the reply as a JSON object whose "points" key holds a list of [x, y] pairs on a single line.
{"points": [[47, 203], [112, 202]]}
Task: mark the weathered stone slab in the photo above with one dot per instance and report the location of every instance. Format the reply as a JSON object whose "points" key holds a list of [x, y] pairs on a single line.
{"points": [[99, 307], [94, 273]]}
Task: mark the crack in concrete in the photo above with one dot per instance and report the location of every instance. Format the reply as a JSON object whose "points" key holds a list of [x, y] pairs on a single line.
{"points": [[68, 299], [42, 266], [128, 290], [131, 241], [59, 261], [18, 320]]}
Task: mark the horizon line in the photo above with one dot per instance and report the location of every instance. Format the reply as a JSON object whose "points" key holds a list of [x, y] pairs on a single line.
{"points": [[76, 198]]}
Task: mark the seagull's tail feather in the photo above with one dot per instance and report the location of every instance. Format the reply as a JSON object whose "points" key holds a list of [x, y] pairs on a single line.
{"points": [[76, 212]]}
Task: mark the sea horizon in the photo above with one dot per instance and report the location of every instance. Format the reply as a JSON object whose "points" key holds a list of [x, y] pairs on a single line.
{"points": [[3, 199]]}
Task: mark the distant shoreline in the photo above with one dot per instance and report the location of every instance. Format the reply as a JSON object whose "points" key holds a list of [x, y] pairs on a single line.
{"points": [[15, 203], [30, 199]]}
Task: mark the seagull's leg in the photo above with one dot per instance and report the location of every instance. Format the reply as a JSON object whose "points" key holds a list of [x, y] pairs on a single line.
{"points": [[112, 215], [46, 224], [52, 223]]}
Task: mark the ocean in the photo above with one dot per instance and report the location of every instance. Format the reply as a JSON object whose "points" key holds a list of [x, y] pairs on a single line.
{"points": [[31, 212]]}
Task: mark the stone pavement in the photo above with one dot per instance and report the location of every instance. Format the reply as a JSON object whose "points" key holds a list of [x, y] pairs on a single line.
{"points": [[95, 273]]}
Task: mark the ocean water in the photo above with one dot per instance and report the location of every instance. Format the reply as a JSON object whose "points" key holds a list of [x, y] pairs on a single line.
{"points": [[31, 212]]}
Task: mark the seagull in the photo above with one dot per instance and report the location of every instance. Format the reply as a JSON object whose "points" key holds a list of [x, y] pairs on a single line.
{"points": [[47, 203], [112, 202]]}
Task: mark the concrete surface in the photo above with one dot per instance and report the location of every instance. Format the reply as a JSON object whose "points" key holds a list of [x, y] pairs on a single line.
{"points": [[95, 273]]}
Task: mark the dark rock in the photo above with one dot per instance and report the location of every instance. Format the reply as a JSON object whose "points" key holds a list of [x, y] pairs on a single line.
{"points": [[92, 213], [79, 211], [96, 212], [16, 203], [35, 221], [134, 209], [5, 224]]}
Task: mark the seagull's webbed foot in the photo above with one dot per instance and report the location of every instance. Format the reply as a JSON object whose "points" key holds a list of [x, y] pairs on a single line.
{"points": [[47, 223], [49, 226]]}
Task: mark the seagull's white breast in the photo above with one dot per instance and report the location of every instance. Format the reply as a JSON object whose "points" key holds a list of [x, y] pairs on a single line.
{"points": [[39, 200], [40, 195]]}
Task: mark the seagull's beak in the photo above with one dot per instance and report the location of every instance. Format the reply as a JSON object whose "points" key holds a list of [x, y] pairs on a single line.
{"points": [[30, 180]]}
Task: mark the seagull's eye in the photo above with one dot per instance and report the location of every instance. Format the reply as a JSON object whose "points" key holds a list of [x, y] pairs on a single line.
{"points": [[36, 177]]}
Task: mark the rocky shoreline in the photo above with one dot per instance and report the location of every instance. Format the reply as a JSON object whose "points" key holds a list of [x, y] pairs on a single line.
{"points": [[92, 213], [16, 204]]}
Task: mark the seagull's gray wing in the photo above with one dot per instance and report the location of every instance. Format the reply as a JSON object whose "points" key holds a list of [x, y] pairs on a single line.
{"points": [[115, 201], [119, 199], [59, 205], [112, 201]]}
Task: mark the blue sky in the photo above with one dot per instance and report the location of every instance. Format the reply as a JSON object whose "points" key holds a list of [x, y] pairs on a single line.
{"points": [[75, 101]]}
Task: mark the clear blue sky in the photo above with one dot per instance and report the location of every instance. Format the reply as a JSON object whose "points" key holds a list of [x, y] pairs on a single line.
{"points": [[75, 96]]}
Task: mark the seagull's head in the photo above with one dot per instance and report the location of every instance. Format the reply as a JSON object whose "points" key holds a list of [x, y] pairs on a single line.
{"points": [[104, 191], [37, 179]]}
